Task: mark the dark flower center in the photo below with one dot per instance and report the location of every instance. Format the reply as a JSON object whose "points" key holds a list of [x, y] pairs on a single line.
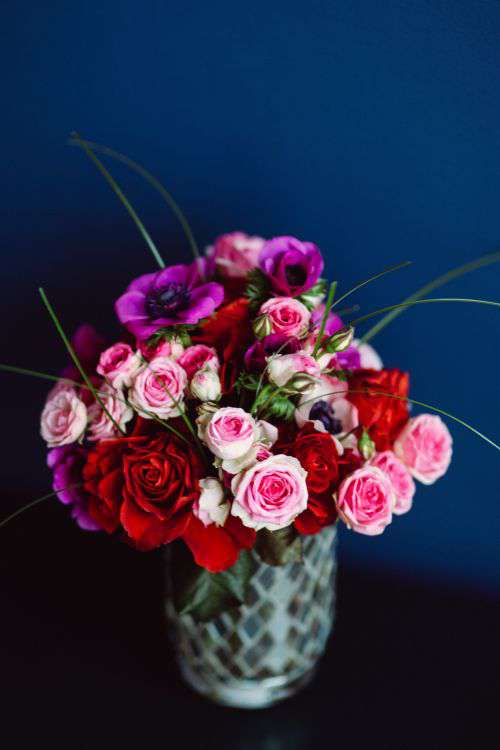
{"points": [[324, 413], [296, 275], [167, 299]]}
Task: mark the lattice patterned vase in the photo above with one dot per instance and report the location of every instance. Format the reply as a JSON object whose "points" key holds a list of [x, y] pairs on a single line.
{"points": [[269, 648]]}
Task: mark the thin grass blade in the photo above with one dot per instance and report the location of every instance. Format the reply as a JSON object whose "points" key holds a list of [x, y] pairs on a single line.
{"points": [[152, 180], [404, 264], [74, 357], [36, 502], [122, 197], [454, 273], [417, 403], [402, 305]]}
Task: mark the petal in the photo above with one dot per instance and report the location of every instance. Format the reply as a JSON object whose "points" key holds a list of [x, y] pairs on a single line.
{"points": [[143, 283], [212, 547], [242, 535], [172, 275], [131, 306]]}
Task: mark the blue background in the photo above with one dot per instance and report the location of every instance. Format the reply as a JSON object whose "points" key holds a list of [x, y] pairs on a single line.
{"points": [[368, 128]]}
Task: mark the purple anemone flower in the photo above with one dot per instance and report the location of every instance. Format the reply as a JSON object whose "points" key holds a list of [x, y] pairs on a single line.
{"points": [[292, 266], [255, 357], [350, 359], [173, 296], [67, 464]]}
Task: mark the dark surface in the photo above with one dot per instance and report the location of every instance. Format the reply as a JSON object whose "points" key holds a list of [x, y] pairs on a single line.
{"points": [[85, 663]]}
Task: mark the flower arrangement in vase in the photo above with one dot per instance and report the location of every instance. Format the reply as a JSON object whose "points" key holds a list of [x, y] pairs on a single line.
{"points": [[235, 421]]}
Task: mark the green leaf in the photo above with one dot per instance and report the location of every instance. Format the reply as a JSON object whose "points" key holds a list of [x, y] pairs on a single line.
{"points": [[279, 547], [310, 298], [167, 333], [204, 595], [281, 407], [258, 289], [246, 381]]}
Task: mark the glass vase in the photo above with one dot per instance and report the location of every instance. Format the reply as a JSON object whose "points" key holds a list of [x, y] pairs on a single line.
{"points": [[268, 648]]}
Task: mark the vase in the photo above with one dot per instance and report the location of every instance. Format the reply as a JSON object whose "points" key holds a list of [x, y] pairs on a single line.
{"points": [[268, 648]]}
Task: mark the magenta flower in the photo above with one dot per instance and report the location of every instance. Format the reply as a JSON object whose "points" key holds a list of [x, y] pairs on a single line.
{"points": [[67, 464], [174, 296], [292, 266]]}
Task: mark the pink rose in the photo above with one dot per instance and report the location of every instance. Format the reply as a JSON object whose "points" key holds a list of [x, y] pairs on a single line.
{"points": [[270, 494], [402, 483], [236, 254], [365, 501], [425, 447], [230, 433], [197, 357], [158, 387], [118, 365], [64, 416], [283, 367], [100, 425], [287, 316]]}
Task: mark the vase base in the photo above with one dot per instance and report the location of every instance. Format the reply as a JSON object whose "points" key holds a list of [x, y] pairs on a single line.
{"points": [[247, 694]]}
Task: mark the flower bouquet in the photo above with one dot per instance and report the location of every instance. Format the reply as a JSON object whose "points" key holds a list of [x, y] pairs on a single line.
{"points": [[235, 421]]}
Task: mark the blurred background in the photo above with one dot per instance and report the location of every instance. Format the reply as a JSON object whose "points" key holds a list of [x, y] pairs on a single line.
{"points": [[368, 128]]}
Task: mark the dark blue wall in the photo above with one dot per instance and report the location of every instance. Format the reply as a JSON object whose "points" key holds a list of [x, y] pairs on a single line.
{"points": [[370, 128]]}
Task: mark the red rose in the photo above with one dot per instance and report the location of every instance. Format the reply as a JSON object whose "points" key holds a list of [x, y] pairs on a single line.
{"points": [[318, 455], [214, 547], [382, 416], [146, 484], [229, 330]]}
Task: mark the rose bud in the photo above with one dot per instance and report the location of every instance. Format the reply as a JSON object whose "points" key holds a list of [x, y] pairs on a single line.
{"points": [[341, 340], [205, 385], [366, 446], [262, 326], [301, 383]]}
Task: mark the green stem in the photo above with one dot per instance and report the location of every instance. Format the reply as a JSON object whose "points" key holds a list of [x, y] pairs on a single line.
{"points": [[328, 307], [411, 401], [152, 180], [124, 200], [357, 321], [454, 273], [56, 379], [404, 264], [75, 359]]}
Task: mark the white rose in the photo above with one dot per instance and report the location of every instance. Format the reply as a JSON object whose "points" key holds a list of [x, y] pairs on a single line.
{"points": [[205, 385], [211, 506]]}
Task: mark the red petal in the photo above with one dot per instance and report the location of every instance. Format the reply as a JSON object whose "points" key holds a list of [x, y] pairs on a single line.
{"points": [[212, 547], [146, 530], [242, 535]]}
